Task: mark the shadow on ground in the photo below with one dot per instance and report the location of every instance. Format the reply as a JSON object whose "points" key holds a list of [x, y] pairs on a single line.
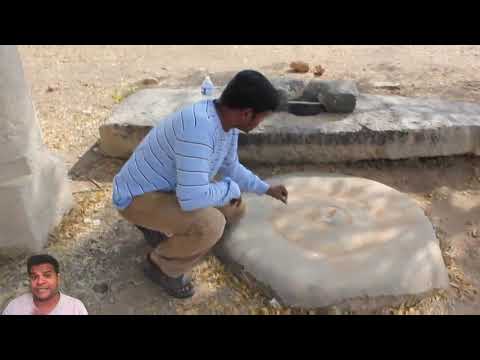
{"points": [[92, 165]]}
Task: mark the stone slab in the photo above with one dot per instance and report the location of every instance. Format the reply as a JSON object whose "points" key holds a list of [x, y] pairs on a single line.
{"points": [[381, 127], [339, 238], [134, 117]]}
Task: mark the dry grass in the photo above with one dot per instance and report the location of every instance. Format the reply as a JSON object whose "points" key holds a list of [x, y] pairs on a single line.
{"points": [[78, 221]]}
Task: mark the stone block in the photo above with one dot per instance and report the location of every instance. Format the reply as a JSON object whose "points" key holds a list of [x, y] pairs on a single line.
{"points": [[305, 108], [338, 96], [34, 188], [289, 89]]}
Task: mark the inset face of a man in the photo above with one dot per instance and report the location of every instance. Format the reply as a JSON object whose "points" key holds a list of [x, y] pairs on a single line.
{"points": [[250, 119], [44, 282]]}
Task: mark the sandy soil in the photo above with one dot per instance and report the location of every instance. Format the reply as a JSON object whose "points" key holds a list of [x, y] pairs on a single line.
{"points": [[74, 89]]}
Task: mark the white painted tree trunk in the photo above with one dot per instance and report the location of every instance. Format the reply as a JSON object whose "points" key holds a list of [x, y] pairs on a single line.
{"points": [[34, 189]]}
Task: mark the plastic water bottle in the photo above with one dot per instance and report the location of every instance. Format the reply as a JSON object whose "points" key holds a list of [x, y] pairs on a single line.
{"points": [[207, 88]]}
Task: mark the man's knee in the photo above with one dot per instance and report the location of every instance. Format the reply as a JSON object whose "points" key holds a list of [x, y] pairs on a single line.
{"points": [[209, 228], [233, 213], [240, 211]]}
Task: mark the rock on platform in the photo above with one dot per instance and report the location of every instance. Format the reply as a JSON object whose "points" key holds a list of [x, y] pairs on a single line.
{"points": [[339, 238], [338, 96]]}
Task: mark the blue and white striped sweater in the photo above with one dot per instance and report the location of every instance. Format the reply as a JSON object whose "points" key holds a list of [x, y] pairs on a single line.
{"points": [[183, 154]]}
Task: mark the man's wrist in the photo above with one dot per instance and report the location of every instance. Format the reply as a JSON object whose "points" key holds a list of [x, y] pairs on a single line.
{"points": [[262, 187], [233, 191]]}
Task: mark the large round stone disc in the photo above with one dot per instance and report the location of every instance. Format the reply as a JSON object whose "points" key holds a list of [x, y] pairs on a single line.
{"points": [[339, 238]]}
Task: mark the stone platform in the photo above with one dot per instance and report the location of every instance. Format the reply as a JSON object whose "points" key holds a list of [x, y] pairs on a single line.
{"points": [[381, 127]]}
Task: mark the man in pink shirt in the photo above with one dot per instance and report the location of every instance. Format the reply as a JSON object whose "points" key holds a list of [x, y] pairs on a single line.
{"points": [[44, 297]]}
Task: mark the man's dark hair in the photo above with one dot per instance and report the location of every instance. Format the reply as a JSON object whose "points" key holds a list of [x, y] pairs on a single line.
{"points": [[42, 259], [250, 89]]}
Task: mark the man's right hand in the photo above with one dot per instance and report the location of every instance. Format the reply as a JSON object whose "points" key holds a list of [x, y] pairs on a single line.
{"points": [[236, 202], [278, 192]]}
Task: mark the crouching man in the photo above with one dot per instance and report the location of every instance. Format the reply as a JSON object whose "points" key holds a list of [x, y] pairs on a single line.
{"points": [[168, 183]]}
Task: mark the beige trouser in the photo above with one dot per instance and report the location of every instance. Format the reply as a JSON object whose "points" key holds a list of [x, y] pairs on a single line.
{"points": [[193, 233]]}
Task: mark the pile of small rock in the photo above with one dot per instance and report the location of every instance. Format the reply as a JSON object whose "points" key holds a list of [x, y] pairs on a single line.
{"points": [[303, 67]]}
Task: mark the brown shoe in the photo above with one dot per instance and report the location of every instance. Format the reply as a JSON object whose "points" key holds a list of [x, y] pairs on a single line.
{"points": [[180, 287]]}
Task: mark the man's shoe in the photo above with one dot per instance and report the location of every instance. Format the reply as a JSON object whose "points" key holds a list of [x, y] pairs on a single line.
{"points": [[180, 287], [152, 237]]}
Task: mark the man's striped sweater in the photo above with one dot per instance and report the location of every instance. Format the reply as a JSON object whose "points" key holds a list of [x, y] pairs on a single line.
{"points": [[183, 154]]}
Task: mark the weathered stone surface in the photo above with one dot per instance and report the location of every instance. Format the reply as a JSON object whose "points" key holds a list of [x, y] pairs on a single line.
{"points": [[338, 96], [338, 103], [283, 100], [339, 238], [320, 87], [134, 117], [381, 127], [34, 188], [305, 108], [289, 89]]}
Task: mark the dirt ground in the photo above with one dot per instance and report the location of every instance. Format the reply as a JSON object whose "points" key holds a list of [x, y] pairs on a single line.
{"points": [[75, 87]]}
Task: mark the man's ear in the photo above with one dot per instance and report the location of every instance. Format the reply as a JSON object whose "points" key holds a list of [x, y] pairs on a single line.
{"points": [[248, 113]]}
